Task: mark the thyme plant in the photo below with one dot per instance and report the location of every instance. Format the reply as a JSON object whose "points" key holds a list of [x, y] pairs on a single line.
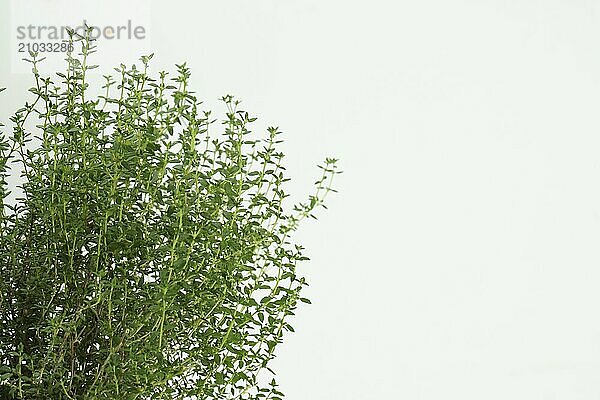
{"points": [[148, 253]]}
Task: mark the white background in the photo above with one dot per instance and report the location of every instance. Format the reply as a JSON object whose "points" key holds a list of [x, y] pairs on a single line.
{"points": [[461, 258]]}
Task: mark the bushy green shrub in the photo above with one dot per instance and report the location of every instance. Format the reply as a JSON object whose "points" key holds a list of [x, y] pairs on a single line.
{"points": [[148, 256]]}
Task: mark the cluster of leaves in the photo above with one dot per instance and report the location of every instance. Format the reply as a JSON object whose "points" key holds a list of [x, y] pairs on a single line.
{"points": [[147, 257]]}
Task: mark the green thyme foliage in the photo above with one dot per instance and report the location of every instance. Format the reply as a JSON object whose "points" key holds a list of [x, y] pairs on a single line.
{"points": [[149, 256]]}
